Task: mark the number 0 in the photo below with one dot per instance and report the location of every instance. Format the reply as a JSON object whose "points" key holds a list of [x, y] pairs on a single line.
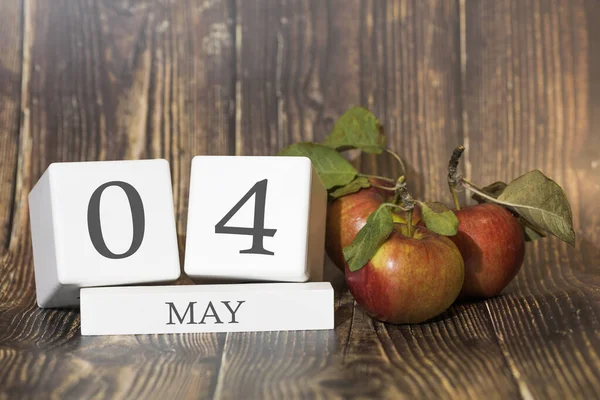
{"points": [[258, 231], [137, 216]]}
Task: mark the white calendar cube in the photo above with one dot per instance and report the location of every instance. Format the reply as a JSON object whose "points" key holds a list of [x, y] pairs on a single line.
{"points": [[255, 219], [99, 224], [246, 307]]}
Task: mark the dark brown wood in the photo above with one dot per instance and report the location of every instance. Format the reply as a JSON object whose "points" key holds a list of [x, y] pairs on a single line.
{"points": [[515, 81], [10, 106], [109, 81], [527, 105]]}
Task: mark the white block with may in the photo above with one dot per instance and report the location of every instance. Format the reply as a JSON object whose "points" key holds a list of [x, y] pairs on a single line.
{"points": [[255, 219], [207, 308], [101, 223]]}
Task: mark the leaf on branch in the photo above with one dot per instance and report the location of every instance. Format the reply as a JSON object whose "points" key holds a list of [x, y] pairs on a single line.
{"points": [[333, 169], [357, 128], [358, 183], [439, 218], [542, 202], [531, 232], [378, 228]]}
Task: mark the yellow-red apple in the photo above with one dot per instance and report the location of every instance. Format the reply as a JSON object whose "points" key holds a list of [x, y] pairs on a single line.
{"points": [[409, 279]]}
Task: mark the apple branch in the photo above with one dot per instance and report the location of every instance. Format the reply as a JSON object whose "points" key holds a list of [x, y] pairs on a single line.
{"points": [[403, 197], [454, 177]]}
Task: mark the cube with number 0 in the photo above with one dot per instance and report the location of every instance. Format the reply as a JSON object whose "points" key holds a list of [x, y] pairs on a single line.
{"points": [[255, 219], [102, 223]]}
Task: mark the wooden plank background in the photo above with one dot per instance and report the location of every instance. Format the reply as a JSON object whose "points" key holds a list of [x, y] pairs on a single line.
{"points": [[516, 81]]}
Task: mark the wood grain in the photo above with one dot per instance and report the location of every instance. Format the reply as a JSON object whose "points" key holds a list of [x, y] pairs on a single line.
{"points": [[410, 75], [526, 106], [109, 81], [515, 81], [10, 97]]}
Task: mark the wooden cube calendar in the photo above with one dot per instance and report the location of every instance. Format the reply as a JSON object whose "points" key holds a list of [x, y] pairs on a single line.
{"points": [[255, 219], [99, 224]]}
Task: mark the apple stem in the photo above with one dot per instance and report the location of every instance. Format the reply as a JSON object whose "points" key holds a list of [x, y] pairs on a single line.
{"points": [[454, 177], [409, 222], [455, 197], [408, 203]]}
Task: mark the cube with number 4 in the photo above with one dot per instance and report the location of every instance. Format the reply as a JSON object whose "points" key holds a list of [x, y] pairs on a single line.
{"points": [[255, 219], [102, 223]]}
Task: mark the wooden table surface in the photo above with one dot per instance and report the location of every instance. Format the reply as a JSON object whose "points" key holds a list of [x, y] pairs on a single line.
{"points": [[516, 81]]}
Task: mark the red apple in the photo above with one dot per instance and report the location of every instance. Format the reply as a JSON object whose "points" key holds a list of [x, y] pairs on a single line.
{"points": [[347, 215], [409, 280], [491, 242]]}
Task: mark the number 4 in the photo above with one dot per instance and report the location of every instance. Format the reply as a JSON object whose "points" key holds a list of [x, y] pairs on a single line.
{"points": [[258, 231]]}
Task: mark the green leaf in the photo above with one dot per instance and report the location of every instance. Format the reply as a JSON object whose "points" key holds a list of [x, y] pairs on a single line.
{"points": [[357, 128], [378, 228], [333, 169], [439, 218], [358, 183], [542, 202]]}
